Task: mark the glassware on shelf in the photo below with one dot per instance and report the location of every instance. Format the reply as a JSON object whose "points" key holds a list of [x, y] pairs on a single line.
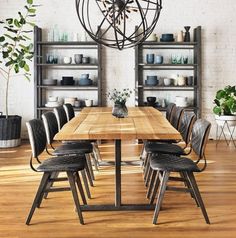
{"points": [[56, 34], [184, 59], [49, 35]]}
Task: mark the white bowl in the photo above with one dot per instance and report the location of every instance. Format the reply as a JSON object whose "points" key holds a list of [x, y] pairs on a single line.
{"points": [[52, 99], [52, 104], [67, 60]]}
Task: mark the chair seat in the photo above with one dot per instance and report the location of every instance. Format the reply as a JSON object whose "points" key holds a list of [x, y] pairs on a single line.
{"points": [[74, 148], [75, 141], [63, 164], [172, 163], [157, 147], [165, 141]]}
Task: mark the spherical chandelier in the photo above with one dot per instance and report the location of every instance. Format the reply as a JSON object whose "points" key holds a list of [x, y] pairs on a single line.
{"points": [[119, 23]]}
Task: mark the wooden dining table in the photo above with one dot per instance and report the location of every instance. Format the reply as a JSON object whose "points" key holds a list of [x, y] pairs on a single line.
{"points": [[97, 123]]}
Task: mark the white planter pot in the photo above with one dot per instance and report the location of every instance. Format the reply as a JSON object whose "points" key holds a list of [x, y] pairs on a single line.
{"points": [[231, 120]]}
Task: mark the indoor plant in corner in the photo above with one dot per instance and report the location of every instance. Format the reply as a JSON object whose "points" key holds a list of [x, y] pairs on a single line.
{"points": [[16, 50], [225, 108]]}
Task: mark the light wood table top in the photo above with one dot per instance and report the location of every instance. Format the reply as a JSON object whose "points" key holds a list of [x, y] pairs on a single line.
{"points": [[98, 123]]}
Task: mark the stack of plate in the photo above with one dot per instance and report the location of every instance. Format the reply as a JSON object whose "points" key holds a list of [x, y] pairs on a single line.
{"points": [[181, 101], [49, 82], [70, 100], [52, 102]]}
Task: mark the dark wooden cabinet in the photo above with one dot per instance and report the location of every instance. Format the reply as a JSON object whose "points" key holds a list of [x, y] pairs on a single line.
{"points": [[166, 69], [42, 69]]}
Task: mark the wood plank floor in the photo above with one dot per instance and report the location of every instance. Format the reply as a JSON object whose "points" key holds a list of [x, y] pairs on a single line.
{"points": [[179, 217]]}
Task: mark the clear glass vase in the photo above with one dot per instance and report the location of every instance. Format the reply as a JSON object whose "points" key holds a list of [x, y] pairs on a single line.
{"points": [[120, 110]]}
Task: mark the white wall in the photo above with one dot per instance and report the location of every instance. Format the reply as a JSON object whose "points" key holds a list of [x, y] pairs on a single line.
{"points": [[218, 21]]}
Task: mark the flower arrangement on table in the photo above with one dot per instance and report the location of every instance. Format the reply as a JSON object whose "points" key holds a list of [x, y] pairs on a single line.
{"points": [[119, 97]]}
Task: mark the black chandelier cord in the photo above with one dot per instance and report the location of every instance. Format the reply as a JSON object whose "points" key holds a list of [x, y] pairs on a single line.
{"points": [[115, 14]]}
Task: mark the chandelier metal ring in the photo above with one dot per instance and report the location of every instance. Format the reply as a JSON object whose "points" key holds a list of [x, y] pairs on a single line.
{"points": [[122, 23]]}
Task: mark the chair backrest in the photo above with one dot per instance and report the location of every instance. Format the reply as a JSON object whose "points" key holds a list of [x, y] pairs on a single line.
{"points": [[50, 125], [186, 126], [61, 116], [37, 136], [176, 118], [169, 110], [200, 133], [70, 113]]}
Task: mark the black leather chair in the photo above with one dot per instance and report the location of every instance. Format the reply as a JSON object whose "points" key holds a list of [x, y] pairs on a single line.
{"points": [[173, 115], [169, 111], [69, 164], [151, 147], [70, 113], [63, 114], [60, 116], [177, 114], [164, 164], [83, 147]]}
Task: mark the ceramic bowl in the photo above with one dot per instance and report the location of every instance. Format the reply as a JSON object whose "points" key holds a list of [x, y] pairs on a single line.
{"points": [[48, 82], [88, 103], [78, 58], [151, 81], [167, 81], [52, 99], [67, 60], [84, 76], [151, 100], [85, 60], [67, 80], [167, 37], [159, 59], [85, 82]]}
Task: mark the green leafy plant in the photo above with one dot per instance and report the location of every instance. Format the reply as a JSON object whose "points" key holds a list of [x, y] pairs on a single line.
{"points": [[119, 96], [225, 101], [16, 48]]}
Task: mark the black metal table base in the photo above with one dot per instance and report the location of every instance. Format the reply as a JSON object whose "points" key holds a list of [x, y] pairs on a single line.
{"points": [[125, 207], [118, 206]]}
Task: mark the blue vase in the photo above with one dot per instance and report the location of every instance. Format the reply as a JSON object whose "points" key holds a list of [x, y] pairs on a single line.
{"points": [[150, 58]]}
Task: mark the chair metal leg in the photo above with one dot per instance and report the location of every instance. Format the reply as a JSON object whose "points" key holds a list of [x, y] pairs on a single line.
{"points": [[97, 151], [81, 190], [95, 164], [149, 173], [142, 151], [147, 166], [50, 184], [88, 174], [75, 196], [145, 162], [88, 159], [150, 188], [39, 194], [85, 183], [198, 195], [155, 188], [188, 185], [161, 194]]}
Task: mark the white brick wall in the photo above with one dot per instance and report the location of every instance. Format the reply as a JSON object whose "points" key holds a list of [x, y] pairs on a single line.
{"points": [[217, 18]]}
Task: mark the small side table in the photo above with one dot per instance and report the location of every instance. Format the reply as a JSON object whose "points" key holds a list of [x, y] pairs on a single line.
{"points": [[222, 128]]}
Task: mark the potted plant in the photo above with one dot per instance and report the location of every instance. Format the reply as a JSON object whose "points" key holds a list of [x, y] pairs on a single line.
{"points": [[225, 108], [119, 97], [16, 50]]}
